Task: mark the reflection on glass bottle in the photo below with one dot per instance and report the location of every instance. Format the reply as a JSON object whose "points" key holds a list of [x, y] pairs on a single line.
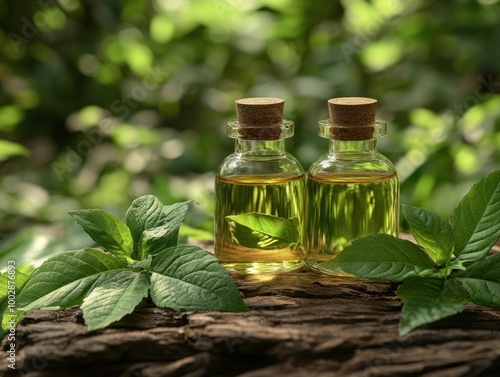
{"points": [[261, 178], [353, 190]]}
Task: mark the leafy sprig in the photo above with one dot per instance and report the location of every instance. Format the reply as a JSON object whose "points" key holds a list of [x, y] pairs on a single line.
{"points": [[447, 269], [142, 259]]}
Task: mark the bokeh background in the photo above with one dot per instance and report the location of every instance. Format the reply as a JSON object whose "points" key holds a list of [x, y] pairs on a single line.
{"points": [[102, 101]]}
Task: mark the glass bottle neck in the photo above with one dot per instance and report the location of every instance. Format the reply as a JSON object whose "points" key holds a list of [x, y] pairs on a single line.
{"points": [[260, 147], [353, 146]]}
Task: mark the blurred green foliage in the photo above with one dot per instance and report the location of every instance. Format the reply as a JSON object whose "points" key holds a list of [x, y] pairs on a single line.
{"points": [[116, 99]]}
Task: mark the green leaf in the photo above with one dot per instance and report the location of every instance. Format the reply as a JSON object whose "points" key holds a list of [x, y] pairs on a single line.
{"points": [[13, 282], [154, 226], [106, 230], [66, 279], [257, 230], [10, 149], [482, 281], [113, 295], [189, 278], [428, 300], [475, 221], [5, 285], [382, 256], [431, 232]]}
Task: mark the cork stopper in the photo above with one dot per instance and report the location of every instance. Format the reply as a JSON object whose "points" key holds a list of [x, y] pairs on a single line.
{"points": [[260, 118], [352, 118]]}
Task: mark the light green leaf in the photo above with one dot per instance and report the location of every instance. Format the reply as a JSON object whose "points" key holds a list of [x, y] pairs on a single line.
{"points": [[113, 295], [257, 230], [10, 149], [154, 226], [382, 256], [476, 220], [14, 285], [20, 278], [428, 300], [106, 230], [482, 281], [189, 278], [66, 279], [431, 232], [447, 270]]}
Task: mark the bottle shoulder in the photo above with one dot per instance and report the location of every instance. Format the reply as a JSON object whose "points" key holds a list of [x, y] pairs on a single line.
{"points": [[242, 164], [337, 163]]}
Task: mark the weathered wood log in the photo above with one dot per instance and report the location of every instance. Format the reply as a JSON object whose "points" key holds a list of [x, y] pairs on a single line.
{"points": [[299, 324]]}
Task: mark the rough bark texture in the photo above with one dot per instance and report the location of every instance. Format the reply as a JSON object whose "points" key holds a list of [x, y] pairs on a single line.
{"points": [[299, 324]]}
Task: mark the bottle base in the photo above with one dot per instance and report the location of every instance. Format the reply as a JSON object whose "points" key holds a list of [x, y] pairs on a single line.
{"points": [[254, 268], [315, 266]]}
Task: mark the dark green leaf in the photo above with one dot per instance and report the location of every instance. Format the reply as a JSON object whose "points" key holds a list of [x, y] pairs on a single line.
{"points": [[482, 281], [431, 232], [154, 226], [106, 230], [476, 220], [113, 295], [427, 300], [189, 278], [66, 279], [382, 256], [257, 230]]}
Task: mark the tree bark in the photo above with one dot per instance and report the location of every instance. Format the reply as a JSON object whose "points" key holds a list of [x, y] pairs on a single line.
{"points": [[299, 324]]}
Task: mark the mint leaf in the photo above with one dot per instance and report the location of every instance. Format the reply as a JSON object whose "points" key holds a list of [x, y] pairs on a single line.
{"points": [[482, 281], [258, 230], [154, 226], [108, 287], [189, 278], [164, 236], [431, 232], [106, 230], [427, 300], [66, 279], [113, 295], [475, 221], [382, 256]]}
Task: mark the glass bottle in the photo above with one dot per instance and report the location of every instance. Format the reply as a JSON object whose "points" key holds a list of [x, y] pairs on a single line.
{"points": [[259, 177], [353, 190]]}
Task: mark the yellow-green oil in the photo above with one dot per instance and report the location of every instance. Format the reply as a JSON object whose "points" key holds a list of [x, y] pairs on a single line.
{"points": [[343, 207], [279, 195]]}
